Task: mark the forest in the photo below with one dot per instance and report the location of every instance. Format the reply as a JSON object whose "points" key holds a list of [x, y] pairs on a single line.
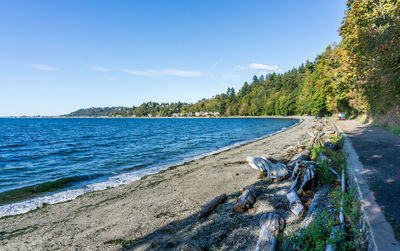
{"points": [[359, 75]]}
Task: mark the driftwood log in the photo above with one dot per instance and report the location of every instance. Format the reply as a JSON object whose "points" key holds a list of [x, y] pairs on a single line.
{"points": [[315, 137], [319, 203], [210, 206], [272, 167], [246, 200], [296, 149], [297, 158], [270, 225], [303, 172], [295, 203]]}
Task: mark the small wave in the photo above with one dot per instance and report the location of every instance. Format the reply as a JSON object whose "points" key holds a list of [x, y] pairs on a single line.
{"points": [[35, 190], [57, 197]]}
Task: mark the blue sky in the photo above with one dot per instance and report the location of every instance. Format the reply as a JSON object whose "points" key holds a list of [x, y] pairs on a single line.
{"points": [[59, 56]]}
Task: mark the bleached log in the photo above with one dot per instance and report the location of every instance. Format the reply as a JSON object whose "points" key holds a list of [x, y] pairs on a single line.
{"points": [[246, 200], [210, 206], [303, 172], [294, 202], [319, 203], [291, 149], [270, 224], [316, 137], [257, 163], [329, 131], [273, 168], [277, 169], [297, 158], [296, 149]]}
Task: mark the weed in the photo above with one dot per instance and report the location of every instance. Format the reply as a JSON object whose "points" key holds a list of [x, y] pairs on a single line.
{"points": [[314, 237]]}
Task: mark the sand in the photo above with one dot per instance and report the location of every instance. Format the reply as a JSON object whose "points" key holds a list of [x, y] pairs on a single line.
{"points": [[160, 210]]}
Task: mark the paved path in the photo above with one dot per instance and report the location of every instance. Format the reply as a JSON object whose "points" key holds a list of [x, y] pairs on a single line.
{"points": [[379, 152]]}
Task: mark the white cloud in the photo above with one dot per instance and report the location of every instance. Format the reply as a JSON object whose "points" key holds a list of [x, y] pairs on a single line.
{"points": [[264, 67], [239, 68], [43, 67], [254, 66], [166, 72], [99, 68]]}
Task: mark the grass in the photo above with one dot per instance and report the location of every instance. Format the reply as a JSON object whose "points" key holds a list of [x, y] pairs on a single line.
{"points": [[394, 130], [314, 237], [335, 161]]}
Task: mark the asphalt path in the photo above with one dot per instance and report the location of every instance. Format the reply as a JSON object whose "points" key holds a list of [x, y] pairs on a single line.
{"points": [[379, 152]]}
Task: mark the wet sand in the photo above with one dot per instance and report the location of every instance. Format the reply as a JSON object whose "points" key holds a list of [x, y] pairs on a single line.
{"points": [[160, 210]]}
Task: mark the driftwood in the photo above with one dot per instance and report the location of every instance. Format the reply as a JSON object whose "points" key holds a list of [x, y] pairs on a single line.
{"points": [[295, 203], [257, 163], [270, 225], [210, 206], [296, 149], [329, 131], [319, 203], [272, 167], [315, 137], [303, 172], [246, 200], [297, 158]]}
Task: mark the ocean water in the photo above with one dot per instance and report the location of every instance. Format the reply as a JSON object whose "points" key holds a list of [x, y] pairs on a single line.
{"points": [[54, 160]]}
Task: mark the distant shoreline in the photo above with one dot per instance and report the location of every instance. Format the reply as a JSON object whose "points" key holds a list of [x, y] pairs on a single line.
{"points": [[189, 117]]}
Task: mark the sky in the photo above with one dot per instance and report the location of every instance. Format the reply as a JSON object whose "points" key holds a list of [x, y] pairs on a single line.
{"points": [[58, 56]]}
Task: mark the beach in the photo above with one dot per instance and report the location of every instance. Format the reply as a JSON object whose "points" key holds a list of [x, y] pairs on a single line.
{"points": [[159, 211]]}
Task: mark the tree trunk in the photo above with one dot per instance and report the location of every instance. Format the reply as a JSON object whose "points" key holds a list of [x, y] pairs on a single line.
{"points": [[270, 225], [212, 205], [246, 200]]}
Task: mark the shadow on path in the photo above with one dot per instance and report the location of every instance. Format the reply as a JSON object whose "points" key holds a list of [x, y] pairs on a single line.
{"points": [[379, 152]]}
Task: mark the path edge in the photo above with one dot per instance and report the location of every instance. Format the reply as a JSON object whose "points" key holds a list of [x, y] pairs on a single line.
{"points": [[378, 233]]}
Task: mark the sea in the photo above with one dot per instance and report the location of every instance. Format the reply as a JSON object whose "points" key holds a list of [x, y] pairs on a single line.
{"points": [[51, 160]]}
